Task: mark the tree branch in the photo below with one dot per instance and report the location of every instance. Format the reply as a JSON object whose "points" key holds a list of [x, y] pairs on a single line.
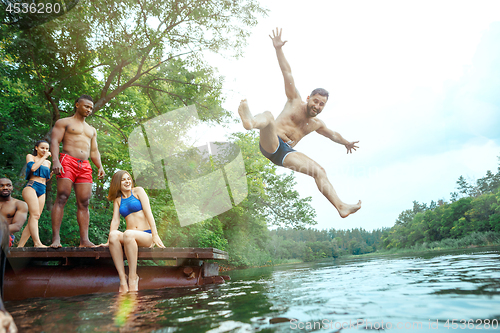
{"points": [[160, 90], [117, 128]]}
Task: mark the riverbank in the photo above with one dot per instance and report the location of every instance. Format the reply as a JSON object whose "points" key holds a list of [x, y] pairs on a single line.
{"points": [[474, 240], [223, 267]]}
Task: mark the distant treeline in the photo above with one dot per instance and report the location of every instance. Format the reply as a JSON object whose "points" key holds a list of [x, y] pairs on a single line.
{"points": [[475, 208], [312, 244], [137, 76], [472, 217], [288, 244]]}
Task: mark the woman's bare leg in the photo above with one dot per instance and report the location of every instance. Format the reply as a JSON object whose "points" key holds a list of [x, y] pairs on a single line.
{"points": [[33, 224], [132, 239], [24, 236], [115, 248], [35, 208]]}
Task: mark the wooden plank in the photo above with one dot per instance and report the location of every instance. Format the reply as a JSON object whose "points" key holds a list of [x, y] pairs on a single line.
{"points": [[103, 252]]}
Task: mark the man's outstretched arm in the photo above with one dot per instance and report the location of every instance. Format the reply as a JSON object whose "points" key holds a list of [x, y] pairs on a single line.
{"points": [[290, 90], [336, 137]]}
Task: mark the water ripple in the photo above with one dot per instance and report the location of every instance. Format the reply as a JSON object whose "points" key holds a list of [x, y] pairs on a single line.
{"points": [[424, 290]]}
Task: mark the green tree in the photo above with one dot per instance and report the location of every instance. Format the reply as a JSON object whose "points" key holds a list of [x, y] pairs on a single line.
{"points": [[463, 186], [476, 212], [137, 58], [22, 120], [271, 196]]}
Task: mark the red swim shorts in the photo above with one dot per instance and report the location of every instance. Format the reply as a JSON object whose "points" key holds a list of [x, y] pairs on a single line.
{"points": [[76, 170]]}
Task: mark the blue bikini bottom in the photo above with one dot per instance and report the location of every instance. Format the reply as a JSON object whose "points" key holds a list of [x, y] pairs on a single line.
{"points": [[39, 188]]}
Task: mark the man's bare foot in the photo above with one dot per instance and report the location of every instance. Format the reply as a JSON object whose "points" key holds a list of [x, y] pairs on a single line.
{"points": [[347, 210], [41, 245], [86, 243], [245, 115], [133, 284], [56, 244]]}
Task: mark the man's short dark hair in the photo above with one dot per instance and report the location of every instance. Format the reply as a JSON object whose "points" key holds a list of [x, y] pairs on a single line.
{"points": [[84, 97], [320, 91], [87, 97]]}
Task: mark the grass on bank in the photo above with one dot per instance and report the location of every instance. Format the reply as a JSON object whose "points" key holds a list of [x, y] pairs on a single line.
{"points": [[475, 239]]}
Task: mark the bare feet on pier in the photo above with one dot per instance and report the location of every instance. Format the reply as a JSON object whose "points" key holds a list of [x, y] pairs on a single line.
{"points": [[347, 209], [86, 243], [56, 244]]}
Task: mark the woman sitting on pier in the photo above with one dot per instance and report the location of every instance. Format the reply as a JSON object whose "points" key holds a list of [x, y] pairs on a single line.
{"points": [[133, 204], [37, 173]]}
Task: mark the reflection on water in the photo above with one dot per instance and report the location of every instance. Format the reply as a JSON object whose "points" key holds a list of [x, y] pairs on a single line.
{"points": [[419, 291]]}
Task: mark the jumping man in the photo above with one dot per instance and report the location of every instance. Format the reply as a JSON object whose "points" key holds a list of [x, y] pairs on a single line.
{"points": [[298, 118]]}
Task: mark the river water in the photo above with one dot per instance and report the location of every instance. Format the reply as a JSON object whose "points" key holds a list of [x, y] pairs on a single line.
{"points": [[418, 292]]}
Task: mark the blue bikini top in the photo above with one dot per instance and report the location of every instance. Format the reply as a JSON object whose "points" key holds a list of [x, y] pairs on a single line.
{"points": [[130, 205], [42, 171]]}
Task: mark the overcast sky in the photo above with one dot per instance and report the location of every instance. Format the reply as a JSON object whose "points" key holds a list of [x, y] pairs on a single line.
{"points": [[416, 82]]}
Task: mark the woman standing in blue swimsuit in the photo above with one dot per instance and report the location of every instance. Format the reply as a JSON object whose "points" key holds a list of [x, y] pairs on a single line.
{"points": [[133, 204], [37, 173]]}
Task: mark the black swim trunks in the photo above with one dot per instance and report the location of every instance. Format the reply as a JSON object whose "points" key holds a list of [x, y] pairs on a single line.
{"points": [[279, 155]]}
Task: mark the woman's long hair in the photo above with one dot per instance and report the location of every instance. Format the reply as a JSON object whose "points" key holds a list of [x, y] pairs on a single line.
{"points": [[115, 187]]}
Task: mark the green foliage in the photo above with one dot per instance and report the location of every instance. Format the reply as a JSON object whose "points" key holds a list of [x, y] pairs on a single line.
{"points": [[271, 196], [22, 120], [138, 60], [32, 14], [475, 212], [312, 244], [244, 251], [210, 234], [472, 240]]}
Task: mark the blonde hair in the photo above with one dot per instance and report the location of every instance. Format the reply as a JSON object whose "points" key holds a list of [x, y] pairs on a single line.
{"points": [[115, 187]]}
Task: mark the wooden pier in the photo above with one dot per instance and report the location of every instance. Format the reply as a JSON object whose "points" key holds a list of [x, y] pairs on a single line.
{"points": [[168, 253], [70, 271]]}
